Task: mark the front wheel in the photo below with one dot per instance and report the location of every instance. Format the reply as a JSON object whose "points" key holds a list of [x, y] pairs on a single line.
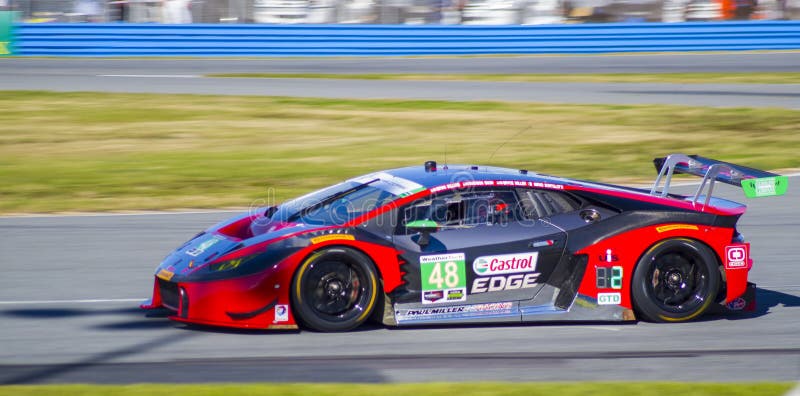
{"points": [[676, 280], [335, 290]]}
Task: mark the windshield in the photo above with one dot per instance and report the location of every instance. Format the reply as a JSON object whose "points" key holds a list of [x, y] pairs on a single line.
{"points": [[334, 205], [337, 204]]}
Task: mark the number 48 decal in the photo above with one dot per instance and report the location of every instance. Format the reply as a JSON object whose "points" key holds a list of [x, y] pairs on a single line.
{"points": [[451, 277], [443, 271]]}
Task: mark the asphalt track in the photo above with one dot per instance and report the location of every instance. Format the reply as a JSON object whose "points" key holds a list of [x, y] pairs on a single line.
{"points": [[787, 61], [70, 286], [185, 76]]}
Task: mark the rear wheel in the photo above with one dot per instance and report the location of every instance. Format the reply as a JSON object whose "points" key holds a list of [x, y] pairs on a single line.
{"points": [[335, 289], [676, 280]]}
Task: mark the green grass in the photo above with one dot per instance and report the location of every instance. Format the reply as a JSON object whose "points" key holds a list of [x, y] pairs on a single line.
{"points": [[682, 78], [99, 152], [432, 389]]}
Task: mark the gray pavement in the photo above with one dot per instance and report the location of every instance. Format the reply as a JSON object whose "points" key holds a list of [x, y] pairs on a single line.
{"points": [[185, 76], [50, 334], [715, 95], [631, 63]]}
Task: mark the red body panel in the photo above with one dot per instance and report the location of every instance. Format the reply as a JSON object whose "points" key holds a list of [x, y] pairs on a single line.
{"points": [[626, 249], [251, 301]]}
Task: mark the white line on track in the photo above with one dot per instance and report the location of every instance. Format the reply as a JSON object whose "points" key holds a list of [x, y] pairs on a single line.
{"points": [[151, 75], [90, 301], [601, 328]]}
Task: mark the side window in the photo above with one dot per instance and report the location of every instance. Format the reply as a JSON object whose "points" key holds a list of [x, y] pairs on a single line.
{"points": [[544, 203], [464, 209]]}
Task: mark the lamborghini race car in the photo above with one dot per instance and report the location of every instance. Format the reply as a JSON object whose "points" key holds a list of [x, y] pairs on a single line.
{"points": [[472, 244]]}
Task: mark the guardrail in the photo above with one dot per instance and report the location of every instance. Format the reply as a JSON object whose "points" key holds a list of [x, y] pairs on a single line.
{"points": [[383, 40]]}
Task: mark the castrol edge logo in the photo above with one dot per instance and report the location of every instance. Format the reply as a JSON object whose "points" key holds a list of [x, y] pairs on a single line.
{"points": [[505, 264]]}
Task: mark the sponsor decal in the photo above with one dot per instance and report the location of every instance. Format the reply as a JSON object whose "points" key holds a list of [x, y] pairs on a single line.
{"points": [[504, 282], [490, 307], [765, 186], [609, 257], [433, 311], [281, 313], [510, 183], [443, 274], [165, 274], [673, 227], [737, 304], [609, 298], [456, 295], [282, 327], [456, 311], [505, 264], [736, 257], [432, 296], [332, 237], [549, 242], [201, 248]]}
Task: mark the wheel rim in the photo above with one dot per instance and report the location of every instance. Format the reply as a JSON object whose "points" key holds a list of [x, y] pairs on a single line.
{"points": [[335, 290], [679, 281]]}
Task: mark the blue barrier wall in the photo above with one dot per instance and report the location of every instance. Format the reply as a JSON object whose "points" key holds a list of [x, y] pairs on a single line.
{"points": [[349, 40]]}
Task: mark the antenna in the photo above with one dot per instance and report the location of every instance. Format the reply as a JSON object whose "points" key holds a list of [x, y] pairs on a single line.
{"points": [[508, 140], [445, 156]]}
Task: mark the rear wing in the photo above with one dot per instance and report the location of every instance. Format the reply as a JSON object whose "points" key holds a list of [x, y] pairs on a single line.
{"points": [[756, 183]]}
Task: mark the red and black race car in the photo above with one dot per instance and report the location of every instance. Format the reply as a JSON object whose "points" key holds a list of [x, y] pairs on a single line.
{"points": [[472, 244]]}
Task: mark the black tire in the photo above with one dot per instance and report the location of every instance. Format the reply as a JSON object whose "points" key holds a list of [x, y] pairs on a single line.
{"points": [[335, 289], [675, 280]]}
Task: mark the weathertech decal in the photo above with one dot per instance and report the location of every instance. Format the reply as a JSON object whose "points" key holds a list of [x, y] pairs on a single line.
{"points": [[444, 278], [673, 227]]}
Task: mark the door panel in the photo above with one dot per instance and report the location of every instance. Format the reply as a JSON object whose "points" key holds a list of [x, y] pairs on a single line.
{"points": [[488, 262]]}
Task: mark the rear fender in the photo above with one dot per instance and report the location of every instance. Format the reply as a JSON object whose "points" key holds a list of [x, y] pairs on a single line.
{"points": [[619, 255]]}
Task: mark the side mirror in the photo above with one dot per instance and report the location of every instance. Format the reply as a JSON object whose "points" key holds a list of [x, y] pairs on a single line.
{"points": [[424, 227]]}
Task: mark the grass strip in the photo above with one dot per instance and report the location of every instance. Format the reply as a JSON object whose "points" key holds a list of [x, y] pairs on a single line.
{"points": [[429, 389], [678, 78], [102, 151]]}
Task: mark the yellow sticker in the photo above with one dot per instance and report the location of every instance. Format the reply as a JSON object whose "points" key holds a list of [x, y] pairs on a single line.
{"points": [[283, 327], [673, 227], [165, 275], [332, 237]]}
